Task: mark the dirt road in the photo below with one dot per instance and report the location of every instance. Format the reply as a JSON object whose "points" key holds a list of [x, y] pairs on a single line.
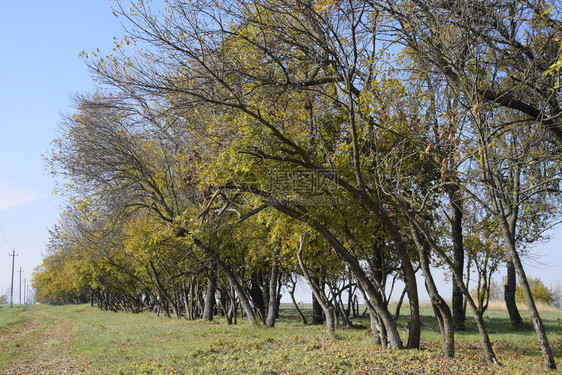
{"points": [[41, 344]]}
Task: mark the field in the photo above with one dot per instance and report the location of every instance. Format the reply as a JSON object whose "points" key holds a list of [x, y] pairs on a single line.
{"points": [[85, 340]]}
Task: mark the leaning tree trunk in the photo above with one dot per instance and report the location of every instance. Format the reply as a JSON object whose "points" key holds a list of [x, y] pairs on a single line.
{"points": [[380, 307], [546, 350], [399, 304], [292, 294], [321, 298], [414, 329], [378, 332]]}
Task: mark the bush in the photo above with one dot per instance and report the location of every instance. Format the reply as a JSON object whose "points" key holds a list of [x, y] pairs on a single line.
{"points": [[540, 292]]}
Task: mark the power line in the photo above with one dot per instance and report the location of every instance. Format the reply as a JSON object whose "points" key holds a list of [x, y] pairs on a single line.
{"points": [[3, 233]]}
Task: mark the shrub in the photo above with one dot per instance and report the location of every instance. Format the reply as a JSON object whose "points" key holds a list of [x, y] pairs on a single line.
{"points": [[540, 292]]}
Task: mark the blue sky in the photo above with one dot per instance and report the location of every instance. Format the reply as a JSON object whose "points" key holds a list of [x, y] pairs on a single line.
{"points": [[39, 71]]}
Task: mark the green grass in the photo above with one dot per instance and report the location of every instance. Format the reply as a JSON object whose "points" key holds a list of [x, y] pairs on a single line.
{"points": [[9, 315], [146, 344]]}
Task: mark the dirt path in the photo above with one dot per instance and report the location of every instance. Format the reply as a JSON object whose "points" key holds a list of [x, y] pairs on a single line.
{"points": [[41, 344]]}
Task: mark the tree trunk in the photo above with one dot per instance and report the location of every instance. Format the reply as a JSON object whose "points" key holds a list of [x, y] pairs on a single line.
{"points": [[486, 343], [301, 315], [375, 335], [210, 301], [458, 257], [244, 300], [319, 294], [362, 278], [547, 354], [399, 304], [317, 317], [257, 295], [273, 308], [164, 293], [364, 282], [187, 313], [442, 311], [509, 296], [330, 321]]}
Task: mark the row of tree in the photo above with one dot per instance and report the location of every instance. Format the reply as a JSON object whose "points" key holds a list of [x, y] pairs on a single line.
{"points": [[233, 145]]}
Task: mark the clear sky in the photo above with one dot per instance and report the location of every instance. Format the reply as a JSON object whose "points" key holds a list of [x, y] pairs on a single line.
{"points": [[39, 71]]}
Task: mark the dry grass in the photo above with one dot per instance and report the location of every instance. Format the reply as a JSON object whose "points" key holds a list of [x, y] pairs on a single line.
{"points": [[542, 307], [492, 306]]}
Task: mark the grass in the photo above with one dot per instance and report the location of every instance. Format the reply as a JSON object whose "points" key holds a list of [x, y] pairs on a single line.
{"points": [[123, 343], [9, 315]]}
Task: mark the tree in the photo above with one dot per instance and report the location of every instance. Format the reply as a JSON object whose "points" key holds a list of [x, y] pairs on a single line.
{"points": [[224, 73], [233, 127], [506, 53], [474, 49], [485, 252]]}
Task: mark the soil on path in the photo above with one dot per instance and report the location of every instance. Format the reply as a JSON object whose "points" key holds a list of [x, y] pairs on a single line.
{"points": [[41, 345]]}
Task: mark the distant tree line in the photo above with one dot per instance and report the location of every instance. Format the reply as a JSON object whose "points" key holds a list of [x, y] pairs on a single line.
{"points": [[233, 146]]}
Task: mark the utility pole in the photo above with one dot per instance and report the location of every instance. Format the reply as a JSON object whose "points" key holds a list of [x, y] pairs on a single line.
{"points": [[20, 271], [13, 255], [25, 292]]}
